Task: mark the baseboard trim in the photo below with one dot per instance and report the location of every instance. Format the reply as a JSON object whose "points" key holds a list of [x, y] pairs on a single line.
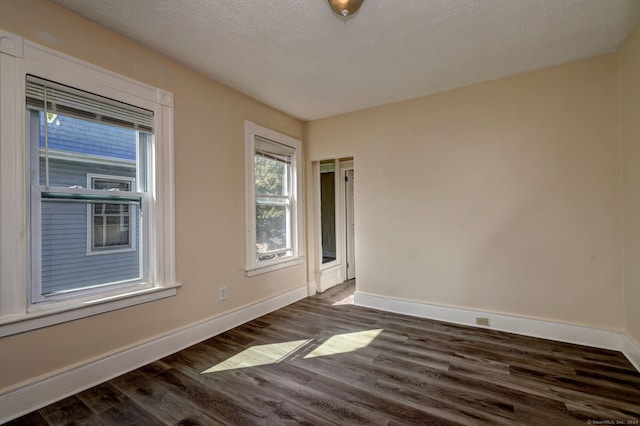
{"points": [[599, 338], [631, 351], [33, 396]]}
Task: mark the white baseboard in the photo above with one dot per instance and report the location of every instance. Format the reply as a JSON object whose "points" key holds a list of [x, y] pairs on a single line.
{"points": [[28, 398], [631, 351], [599, 338]]}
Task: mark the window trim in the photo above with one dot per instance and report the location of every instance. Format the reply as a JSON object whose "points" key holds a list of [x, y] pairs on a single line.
{"points": [[252, 267], [18, 58]]}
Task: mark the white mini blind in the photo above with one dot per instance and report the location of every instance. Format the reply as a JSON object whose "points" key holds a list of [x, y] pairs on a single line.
{"points": [[273, 150], [65, 100]]}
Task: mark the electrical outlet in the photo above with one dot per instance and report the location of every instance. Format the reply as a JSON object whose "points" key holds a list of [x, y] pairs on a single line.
{"points": [[223, 293], [482, 321]]}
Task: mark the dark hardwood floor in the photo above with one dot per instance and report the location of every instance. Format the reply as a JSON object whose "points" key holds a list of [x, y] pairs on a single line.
{"points": [[323, 361]]}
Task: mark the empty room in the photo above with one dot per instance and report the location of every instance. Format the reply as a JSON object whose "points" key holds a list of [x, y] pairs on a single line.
{"points": [[319, 212]]}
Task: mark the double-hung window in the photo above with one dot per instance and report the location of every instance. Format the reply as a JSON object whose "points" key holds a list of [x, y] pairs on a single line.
{"points": [[76, 138], [272, 199], [87, 222]]}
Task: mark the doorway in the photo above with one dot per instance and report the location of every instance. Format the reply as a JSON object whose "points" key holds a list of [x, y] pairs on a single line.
{"points": [[335, 222]]}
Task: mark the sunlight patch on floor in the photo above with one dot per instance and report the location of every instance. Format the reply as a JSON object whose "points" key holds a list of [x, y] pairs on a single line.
{"points": [[259, 355], [343, 343], [274, 353], [346, 301]]}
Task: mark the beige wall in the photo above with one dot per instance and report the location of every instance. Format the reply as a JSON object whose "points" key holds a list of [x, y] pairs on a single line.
{"points": [[209, 163], [503, 196], [629, 57]]}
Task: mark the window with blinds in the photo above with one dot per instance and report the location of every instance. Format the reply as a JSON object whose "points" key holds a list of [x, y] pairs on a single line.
{"points": [[273, 199], [272, 207], [89, 162]]}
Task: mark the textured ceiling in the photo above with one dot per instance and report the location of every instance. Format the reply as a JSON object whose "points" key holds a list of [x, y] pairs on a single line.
{"points": [[300, 58]]}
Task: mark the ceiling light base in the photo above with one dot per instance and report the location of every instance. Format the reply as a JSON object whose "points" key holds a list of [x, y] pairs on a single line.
{"points": [[345, 8]]}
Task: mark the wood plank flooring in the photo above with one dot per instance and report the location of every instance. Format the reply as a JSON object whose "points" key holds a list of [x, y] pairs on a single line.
{"points": [[323, 361]]}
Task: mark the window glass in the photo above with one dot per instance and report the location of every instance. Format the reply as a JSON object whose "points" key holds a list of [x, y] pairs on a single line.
{"points": [[270, 174], [77, 147], [90, 185], [271, 231], [273, 205], [328, 214]]}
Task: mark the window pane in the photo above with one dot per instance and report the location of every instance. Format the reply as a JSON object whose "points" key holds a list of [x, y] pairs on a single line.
{"points": [[113, 209], [116, 233], [98, 235], [328, 215], [110, 184], [78, 147], [64, 261], [271, 229], [270, 175], [111, 227]]}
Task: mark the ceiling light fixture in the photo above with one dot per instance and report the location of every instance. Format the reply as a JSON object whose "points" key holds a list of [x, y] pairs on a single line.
{"points": [[345, 7]]}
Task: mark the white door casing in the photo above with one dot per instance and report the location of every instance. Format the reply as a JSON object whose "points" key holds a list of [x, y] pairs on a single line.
{"points": [[350, 224]]}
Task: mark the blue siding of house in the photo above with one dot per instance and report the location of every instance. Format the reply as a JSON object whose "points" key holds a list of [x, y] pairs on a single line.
{"points": [[86, 137], [69, 173], [65, 263]]}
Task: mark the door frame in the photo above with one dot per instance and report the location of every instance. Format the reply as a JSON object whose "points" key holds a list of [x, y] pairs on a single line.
{"points": [[349, 237], [335, 272]]}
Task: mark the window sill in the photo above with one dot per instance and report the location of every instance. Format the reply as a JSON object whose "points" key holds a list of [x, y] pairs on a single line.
{"points": [[109, 251], [67, 311], [257, 270]]}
